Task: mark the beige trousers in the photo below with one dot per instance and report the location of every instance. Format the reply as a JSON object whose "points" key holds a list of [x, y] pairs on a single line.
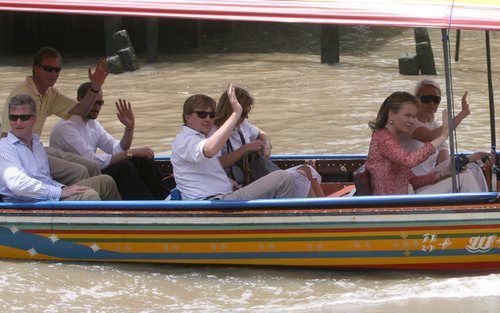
{"points": [[466, 183], [69, 168], [473, 168], [278, 184], [103, 188]]}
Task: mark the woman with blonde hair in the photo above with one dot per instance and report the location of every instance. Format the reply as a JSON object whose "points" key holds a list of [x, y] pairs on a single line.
{"points": [[247, 138]]}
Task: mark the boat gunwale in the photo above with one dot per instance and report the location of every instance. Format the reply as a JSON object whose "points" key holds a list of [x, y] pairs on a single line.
{"points": [[375, 202]]}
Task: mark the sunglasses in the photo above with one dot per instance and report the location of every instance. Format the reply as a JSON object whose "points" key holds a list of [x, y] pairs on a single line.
{"points": [[50, 69], [22, 117], [204, 114], [429, 98], [99, 102]]}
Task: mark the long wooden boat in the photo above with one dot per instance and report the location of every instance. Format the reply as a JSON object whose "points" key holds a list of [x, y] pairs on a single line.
{"points": [[438, 232], [432, 232]]}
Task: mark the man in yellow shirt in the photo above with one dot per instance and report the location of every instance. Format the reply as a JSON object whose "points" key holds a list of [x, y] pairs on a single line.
{"points": [[66, 168]]}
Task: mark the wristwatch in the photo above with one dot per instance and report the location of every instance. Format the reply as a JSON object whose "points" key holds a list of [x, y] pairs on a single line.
{"points": [[129, 154]]}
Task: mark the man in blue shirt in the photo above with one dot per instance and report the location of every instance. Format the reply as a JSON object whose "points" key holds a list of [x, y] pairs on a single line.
{"points": [[24, 167]]}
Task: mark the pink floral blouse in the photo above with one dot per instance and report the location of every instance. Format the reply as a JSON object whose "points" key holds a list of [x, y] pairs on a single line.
{"points": [[390, 165]]}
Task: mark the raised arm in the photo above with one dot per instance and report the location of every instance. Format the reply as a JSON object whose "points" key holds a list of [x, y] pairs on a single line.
{"points": [[391, 148], [126, 117], [216, 142], [425, 134], [97, 79]]}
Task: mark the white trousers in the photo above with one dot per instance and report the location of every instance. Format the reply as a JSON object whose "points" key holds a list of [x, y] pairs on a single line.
{"points": [[466, 183]]}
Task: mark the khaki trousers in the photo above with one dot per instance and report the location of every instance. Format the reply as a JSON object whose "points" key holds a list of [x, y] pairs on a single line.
{"points": [[103, 188], [466, 183], [278, 184], [69, 168]]}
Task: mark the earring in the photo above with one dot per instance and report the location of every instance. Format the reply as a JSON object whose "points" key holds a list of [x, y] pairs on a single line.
{"points": [[391, 121]]}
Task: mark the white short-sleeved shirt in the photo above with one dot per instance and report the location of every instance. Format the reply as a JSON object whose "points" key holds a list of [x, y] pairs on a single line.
{"points": [[410, 144], [83, 138], [197, 177]]}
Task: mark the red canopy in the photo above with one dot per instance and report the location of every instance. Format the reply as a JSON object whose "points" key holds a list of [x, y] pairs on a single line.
{"points": [[478, 14]]}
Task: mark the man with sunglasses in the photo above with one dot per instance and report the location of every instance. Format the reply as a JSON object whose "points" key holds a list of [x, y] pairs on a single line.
{"points": [[134, 170], [24, 168], [66, 168], [195, 157]]}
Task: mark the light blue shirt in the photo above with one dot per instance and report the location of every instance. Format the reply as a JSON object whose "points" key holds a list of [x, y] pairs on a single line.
{"points": [[25, 174]]}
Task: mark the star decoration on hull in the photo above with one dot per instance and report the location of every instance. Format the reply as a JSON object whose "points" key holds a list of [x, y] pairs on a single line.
{"points": [[53, 238], [95, 247]]}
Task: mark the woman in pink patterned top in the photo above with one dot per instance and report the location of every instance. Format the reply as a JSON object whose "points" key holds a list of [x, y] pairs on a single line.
{"points": [[390, 165]]}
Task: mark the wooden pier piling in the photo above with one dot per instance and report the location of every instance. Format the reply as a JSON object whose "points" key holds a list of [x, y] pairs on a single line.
{"points": [[330, 44], [7, 33], [152, 35]]}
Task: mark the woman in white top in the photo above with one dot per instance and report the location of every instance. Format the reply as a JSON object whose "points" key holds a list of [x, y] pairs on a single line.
{"points": [[425, 129], [246, 138]]}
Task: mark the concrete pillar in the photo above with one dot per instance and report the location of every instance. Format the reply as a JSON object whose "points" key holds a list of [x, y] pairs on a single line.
{"points": [[426, 58], [424, 51], [112, 24], [421, 34], [408, 65]]}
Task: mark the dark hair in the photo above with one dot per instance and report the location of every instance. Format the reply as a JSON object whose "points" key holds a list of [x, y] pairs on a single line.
{"points": [[224, 108], [82, 90], [45, 52], [391, 103], [21, 100], [200, 101]]}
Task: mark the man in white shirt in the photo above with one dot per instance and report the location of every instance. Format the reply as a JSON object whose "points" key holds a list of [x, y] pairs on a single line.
{"points": [[24, 167], [195, 157], [133, 170]]}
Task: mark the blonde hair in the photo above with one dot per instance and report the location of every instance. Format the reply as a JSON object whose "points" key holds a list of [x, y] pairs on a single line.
{"points": [[423, 83], [224, 108]]}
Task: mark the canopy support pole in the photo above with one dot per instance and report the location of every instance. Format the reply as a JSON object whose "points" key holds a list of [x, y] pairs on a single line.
{"points": [[492, 110], [449, 96]]}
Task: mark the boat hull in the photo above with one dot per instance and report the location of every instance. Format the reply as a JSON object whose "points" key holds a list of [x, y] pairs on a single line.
{"points": [[386, 232]]}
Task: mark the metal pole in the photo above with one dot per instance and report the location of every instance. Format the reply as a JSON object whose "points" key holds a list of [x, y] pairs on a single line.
{"points": [[492, 109], [447, 75]]}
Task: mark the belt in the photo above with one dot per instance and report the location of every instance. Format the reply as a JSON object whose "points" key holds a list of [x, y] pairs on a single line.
{"points": [[214, 197]]}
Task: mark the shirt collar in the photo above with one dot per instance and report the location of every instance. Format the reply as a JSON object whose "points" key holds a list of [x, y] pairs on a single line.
{"points": [[14, 139], [79, 120], [189, 130], [32, 86]]}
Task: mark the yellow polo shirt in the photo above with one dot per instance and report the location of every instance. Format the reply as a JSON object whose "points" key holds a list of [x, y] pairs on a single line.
{"points": [[50, 103]]}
